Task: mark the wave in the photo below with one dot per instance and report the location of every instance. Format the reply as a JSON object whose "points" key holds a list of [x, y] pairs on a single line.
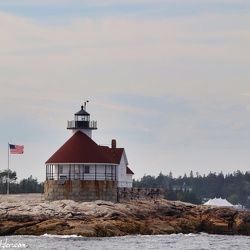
{"points": [[62, 236], [191, 235]]}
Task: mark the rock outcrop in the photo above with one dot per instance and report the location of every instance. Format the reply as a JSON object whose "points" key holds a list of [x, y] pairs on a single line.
{"points": [[102, 218]]}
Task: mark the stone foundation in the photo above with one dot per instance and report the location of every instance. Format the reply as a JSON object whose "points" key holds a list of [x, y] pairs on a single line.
{"points": [[83, 190], [80, 190], [140, 193]]}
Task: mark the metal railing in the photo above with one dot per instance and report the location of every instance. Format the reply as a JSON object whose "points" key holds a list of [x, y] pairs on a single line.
{"points": [[82, 124], [82, 176]]}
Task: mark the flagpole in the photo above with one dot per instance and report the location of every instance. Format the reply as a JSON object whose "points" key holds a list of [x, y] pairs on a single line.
{"points": [[8, 178]]}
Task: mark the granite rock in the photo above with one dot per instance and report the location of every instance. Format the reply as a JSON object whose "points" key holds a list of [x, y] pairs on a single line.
{"points": [[103, 218]]}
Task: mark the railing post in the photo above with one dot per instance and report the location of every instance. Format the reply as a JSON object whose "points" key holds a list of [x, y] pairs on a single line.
{"points": [[95, 172], [83, 171], [69, 171], [115, 172], [105, 174]]}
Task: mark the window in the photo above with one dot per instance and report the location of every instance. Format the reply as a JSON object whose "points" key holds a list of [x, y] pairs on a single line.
{"points": [[86, 169], [60, 169]]}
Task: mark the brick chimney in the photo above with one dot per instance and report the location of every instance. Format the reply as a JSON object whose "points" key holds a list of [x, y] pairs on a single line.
{"points": [[113, 143]]}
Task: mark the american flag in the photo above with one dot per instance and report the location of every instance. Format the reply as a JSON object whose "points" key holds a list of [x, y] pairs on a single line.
{"points": [[16, 149]]}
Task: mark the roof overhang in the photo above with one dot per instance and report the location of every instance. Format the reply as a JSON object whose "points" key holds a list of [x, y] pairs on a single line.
{"points": [[81, 163]]}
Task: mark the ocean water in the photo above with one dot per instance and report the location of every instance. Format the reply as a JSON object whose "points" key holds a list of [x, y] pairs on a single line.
{"points": [[138, 242]]}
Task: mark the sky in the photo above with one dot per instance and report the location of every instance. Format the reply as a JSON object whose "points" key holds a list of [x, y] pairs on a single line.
{"points": [[168, 79]]}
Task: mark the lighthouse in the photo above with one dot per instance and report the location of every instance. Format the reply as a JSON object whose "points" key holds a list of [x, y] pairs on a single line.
{"points": [[82, 170], [82, 122]]}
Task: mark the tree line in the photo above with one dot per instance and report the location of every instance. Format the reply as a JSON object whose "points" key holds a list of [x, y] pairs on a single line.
{"points": [[197, 189], [192, 188], [29, 185]]}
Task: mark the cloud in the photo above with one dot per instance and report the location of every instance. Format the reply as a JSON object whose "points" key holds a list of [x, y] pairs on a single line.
{"points": [[172, 88]]}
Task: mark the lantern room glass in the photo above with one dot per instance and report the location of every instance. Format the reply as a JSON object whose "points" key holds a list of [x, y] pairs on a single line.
{"points": [[82, 118]]}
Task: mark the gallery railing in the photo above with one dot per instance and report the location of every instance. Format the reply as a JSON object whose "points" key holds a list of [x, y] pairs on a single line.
{"points": [[82, 124], [82, 176]]}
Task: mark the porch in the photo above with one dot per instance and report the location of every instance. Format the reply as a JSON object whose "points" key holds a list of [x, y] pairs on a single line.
{"points": [[81, 172]]}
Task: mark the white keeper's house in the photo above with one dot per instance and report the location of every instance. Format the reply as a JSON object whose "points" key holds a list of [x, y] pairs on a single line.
{"points": [[82, 170]]}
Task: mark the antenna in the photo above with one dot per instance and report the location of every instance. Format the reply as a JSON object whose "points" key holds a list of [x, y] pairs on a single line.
{"points": [[85, 103]]}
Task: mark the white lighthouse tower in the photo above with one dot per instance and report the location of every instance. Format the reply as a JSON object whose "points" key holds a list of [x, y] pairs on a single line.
{"points": [[82, 122]]}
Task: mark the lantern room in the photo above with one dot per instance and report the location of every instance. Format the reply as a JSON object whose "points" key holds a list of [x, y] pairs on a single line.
{"points": [[82, 122]]}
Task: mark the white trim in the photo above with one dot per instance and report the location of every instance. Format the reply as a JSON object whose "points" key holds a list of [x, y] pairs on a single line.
{"points": [[83, 163]]}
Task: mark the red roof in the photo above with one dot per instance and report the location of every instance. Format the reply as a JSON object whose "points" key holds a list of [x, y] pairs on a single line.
{"points": [[129, 171], [82, 149]]}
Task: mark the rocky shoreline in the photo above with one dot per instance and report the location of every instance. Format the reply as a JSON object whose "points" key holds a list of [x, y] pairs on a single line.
{"points": [[105, 219]]}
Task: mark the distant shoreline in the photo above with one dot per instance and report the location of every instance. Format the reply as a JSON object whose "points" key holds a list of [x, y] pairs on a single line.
{"points": [[34, 197]]}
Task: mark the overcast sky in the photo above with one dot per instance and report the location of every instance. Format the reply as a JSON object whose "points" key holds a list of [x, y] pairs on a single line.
{"points": [[168, 79]]}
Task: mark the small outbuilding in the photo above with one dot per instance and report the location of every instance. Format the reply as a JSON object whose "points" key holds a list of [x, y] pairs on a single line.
{"points": [[219, 202]]}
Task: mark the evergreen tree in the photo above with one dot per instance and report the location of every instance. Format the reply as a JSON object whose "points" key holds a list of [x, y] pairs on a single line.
{"points": [[234, 187], [4, 178]]}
